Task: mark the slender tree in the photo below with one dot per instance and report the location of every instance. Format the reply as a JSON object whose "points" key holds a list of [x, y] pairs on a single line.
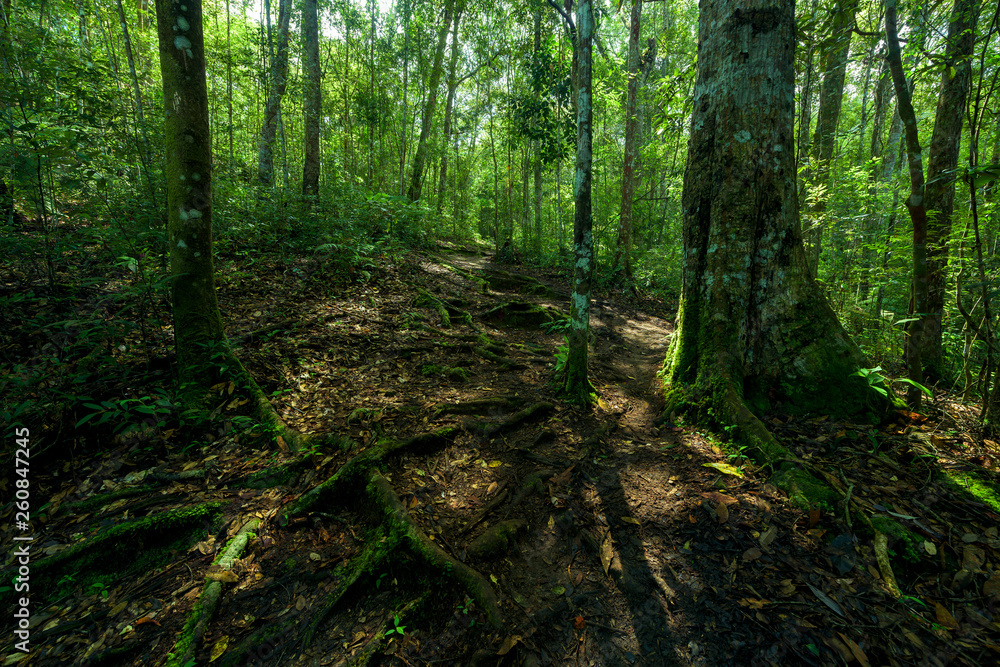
{"points": [[623, 251], [941, 164], [577, 384], [279, 82], [451, 12], [753, 326], [311, 96]]}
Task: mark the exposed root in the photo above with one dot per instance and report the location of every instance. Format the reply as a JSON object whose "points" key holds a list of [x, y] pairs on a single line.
{"points": [[533, 411], [204, 608], [496, 540], [480, 405], [400, 520]]}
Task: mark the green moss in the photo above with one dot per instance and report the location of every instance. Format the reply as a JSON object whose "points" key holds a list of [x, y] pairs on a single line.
{"points": [[974, 483], [902, 541], [804, 490], [96, 502], [125, 550]]}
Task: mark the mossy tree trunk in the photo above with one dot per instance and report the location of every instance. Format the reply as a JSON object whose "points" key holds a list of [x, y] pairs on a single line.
{"points": [[577, 386], [197, 322], [753, 326], [941, 165]]}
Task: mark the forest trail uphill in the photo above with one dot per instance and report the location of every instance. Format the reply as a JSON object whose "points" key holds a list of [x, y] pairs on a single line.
{"points": [[459, 512]]}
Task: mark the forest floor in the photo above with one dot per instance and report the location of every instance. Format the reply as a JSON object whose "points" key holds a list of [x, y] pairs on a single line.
{"points": [[612, 537]]}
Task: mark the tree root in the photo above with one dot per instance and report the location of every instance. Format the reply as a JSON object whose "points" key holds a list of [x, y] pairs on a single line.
{"points": [[204, 608], [444, 309], [479, 406], [402, 523], [515, 420], [496, 540]]}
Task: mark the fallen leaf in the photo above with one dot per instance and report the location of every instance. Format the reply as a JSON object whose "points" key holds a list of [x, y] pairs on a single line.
{"points": [[563, 477], [628, 519], [508, 643], [768, 536], [219, 648], [147, 619], [944, 617], [973, 558], [814, 516], [992, 586], [491, 488], [606, 551], [225, 576], [579, 622], [826, 599], [496, 464], [855, 649], [724, 468], [719, 497], [752, 554], [722, 512]]}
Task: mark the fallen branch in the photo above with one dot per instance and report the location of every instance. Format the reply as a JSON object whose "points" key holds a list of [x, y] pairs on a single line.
{"points": [[204, 608]]}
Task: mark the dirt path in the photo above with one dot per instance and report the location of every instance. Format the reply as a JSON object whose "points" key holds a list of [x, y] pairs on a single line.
{"points": [[606, 540]]}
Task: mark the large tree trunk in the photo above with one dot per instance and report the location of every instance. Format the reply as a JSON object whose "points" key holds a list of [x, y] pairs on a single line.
{"points": [[939, 194], [831, 97], [623, 250], [311, 94], [197, 323], [420, 157], [753, 329], [279, 82], [577, 386]]}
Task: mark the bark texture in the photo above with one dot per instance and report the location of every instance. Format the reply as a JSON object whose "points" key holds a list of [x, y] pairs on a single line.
{"points": [[279, 82], [578, 385], [197, 323], [753, 327], [623, 251], [941, 164], [312, 97]]}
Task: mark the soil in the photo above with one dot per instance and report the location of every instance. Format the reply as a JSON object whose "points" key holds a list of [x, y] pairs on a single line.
{"points": [[637, 541]]}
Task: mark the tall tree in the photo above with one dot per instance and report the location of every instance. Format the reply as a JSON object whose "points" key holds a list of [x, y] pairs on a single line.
{"points": [[416, 181], [753, 326], [197, 322], [279, 82], [623, 251], [577, 383], [939, 194], [311, 96]]}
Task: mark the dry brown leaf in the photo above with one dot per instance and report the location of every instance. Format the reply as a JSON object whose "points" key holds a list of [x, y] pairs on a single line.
{"points": [[721, 512], [973, 558], [751, 554], [607, 553], [814, 516], [855, 650], [563, 477], [768, 536], [944, 617], [992, 586], [509, 642], [225, 576]]}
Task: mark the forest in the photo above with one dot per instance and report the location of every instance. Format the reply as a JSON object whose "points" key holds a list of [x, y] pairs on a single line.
{"points": [[478, 332]]}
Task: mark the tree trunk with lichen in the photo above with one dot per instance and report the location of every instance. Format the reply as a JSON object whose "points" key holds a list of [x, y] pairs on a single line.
{"points": [[204, 356], [577, 386], [754, 330], [197, 322]]}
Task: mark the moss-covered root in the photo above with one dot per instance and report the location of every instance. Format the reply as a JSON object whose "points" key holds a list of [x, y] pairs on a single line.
{"points": [[496, 540], [353, 473], [204, 608], [882, 556], [398, 518], [365, 563], [533, 411]]}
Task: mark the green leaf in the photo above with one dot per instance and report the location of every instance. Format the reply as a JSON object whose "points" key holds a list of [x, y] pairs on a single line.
{"points": [[919, 386]]}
